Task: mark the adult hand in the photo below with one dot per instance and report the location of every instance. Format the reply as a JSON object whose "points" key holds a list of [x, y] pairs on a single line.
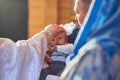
{"points": [[54, 28], [47, 58]]}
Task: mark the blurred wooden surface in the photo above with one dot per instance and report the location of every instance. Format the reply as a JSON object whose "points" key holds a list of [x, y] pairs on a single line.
{"points": [[64, 11], [44, 12]]}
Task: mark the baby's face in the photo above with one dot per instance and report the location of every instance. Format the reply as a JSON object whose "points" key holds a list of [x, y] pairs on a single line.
{"points": [[60, 39], [59, 34]]}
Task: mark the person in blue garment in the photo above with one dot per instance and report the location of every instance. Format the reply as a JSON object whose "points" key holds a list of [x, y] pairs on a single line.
{"points": [[97, 47], [81, 12]]}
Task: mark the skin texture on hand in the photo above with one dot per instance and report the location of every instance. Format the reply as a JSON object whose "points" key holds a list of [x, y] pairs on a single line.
{"points": [[47, 58]]}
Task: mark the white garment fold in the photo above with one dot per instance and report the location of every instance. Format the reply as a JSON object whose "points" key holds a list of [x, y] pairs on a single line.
{"points": [[24, 59], [53, 77]]}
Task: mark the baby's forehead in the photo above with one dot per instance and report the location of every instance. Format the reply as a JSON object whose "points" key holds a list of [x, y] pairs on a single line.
{"points": [[62, 34]]}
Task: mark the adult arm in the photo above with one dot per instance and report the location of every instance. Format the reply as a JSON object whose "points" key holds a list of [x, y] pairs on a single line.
{"points": [[66, 48], [23, 60], [95, 61]]}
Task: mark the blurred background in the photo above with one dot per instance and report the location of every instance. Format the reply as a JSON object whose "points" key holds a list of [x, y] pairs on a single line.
{"points": [[21, 19]]}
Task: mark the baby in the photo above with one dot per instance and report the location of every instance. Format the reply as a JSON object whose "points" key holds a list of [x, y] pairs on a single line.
{"points": [[58, 51]]}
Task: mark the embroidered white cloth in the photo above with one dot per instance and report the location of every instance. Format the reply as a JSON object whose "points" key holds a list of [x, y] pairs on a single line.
{"points": [[23, 60]]}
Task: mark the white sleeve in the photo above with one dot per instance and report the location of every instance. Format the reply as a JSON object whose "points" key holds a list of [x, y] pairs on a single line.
{"points": [[53, 77], [66, 48], [23, 60]]}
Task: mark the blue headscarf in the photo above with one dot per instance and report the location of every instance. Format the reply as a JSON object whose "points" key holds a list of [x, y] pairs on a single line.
{"points": [[103, 21], [97, 47]]}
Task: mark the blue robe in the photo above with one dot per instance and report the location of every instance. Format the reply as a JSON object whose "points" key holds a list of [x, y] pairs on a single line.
{"points": [[97, 47]]}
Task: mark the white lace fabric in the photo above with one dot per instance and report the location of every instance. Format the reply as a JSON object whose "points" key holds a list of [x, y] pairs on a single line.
{"points": [[24, 59]]}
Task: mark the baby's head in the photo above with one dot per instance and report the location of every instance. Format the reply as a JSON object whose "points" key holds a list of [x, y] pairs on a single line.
{"points": [[59, 32], [55, 29], [60, 38]]}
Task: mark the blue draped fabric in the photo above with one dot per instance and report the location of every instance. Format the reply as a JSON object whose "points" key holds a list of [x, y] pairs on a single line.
{"points": [[97, 18], [85, 30], [97, 47]]}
